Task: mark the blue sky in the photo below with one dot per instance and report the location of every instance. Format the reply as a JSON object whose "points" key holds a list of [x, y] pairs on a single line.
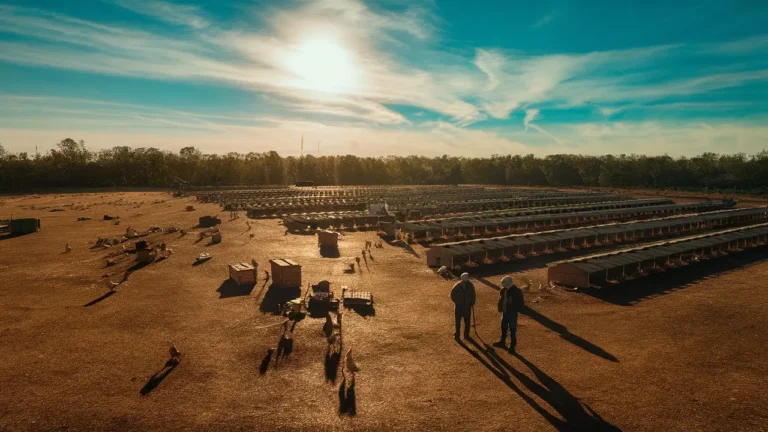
{"points": [[386, 77]]}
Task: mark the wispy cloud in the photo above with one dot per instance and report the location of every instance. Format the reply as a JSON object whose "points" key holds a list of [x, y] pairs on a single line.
{"points": [[543, 21], [530, 115], [171, 13]]}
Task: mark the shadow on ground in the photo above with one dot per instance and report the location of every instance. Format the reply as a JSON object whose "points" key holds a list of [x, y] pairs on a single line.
{"points": [[230, 288], [576, 416], [276, 296], [100, 299], [158, 377], [362, 310], [559, 329], [403, 245], [328, 252]]}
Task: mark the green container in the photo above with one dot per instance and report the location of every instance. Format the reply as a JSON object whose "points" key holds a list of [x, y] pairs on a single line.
{"points": [[24, 226]]}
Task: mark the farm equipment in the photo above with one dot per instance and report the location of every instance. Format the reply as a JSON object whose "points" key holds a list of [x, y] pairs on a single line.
{"points": [[322, 299], [356, 298]]}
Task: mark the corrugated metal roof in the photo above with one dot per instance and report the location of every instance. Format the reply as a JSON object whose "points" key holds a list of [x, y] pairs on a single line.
{"points": [[547, 236], [480, 221], [631, 256]]}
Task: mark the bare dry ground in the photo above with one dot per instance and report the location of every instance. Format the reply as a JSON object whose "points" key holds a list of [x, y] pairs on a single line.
{"points": [[681, 351]]}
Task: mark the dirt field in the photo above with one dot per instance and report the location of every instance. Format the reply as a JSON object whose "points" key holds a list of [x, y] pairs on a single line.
{"points": [[680, 351]]}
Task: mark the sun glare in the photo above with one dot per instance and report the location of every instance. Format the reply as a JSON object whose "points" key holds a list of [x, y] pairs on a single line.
{"points": [[325, 65]]}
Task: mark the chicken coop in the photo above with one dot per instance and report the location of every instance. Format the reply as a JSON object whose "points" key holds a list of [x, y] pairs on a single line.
{"points": [[24, 226], [242, 273], [285, 273]]}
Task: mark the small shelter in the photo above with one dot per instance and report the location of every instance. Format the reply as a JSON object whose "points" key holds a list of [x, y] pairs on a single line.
{"points": [[328, 239], [285, 273], [24, 226]]}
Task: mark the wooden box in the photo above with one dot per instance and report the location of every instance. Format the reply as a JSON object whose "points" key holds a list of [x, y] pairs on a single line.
{"points": [[328, 239], [242, 273], [285, 273]]}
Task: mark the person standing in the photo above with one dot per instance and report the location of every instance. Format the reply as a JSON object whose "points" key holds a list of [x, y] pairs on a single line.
{"points": [[510, 304], [463, 297]]}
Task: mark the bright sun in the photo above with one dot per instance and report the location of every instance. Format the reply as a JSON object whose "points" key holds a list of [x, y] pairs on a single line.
{"points": [[323, 64]]}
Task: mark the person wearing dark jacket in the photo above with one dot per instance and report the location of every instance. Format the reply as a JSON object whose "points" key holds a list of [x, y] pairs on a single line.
{"points": [[510, 304], [463, 297]]}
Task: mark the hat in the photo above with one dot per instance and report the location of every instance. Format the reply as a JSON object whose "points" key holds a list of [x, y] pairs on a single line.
{"points": [[506, 282], [464, 276]]}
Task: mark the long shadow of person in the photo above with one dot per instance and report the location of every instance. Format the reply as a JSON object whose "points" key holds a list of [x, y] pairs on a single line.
{"points": [[558, 328], [504, 377], [332, 366], [567, 405], [347, 399], [569, 402]]}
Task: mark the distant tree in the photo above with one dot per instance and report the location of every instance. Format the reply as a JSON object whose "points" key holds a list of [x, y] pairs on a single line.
{"points": [[70, 163]]}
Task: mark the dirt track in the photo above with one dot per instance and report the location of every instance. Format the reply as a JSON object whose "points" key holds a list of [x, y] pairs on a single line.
{"points": [[680, 351]]}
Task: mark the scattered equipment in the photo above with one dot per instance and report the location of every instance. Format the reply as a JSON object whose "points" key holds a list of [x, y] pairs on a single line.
{"points": [[203, 257], [216, 237], [242, 273], [353, 298], [144, 254], [322, 299]]}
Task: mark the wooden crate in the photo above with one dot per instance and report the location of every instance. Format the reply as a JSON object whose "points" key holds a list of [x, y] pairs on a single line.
{"points": [[356, 298], [285, 273], [242, 273], [328, 239]]}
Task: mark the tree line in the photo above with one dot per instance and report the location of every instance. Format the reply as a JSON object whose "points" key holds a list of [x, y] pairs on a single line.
{"points": [[71, 164]]}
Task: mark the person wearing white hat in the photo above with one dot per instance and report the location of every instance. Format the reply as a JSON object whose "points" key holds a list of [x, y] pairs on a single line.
{"points": [[510, 304], [463, 297]]}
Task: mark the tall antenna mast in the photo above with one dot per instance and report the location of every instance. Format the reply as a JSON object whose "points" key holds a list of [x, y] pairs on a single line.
{"points": [[302, 145]]}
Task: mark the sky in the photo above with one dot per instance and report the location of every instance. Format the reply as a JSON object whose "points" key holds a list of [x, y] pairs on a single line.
{"points": [[386, 77]]}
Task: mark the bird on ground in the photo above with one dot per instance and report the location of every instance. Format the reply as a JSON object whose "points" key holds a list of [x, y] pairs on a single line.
{"points": [[112, 285], [67, 248], [349, 362], [332, 340], [175, 354], [328, 326]]}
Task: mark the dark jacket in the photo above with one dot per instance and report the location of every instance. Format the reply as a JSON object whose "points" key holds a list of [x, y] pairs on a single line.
{"points": [[463, 295], [514, 299]]}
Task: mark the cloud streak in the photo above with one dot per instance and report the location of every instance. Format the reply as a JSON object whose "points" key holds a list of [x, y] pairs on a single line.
{"points": [[171, 13]]}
